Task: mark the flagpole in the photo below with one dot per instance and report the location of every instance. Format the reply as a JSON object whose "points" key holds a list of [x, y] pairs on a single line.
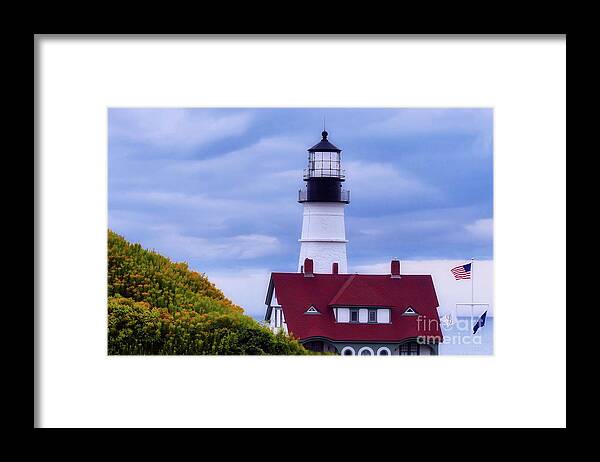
{"points": [[472, 280]]}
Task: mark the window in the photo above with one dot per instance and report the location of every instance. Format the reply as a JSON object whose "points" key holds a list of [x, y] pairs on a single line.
{"points": [[342, 315], [312, 310], [365, 351], [324, 164], [384, 351], [315, 346], [355, 314], [383, 316], [348, 351], [409, 349], [372, 315]]}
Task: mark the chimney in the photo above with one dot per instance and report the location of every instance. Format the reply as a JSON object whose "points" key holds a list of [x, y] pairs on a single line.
{"points": [[308, 268], [395, 267], [335, 268]]}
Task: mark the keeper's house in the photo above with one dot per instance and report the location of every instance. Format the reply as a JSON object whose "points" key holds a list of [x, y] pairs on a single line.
{"points": [[356, 314]]}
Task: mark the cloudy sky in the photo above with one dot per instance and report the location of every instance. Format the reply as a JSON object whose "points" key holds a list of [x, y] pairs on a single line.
{"points": [[218, 188]]}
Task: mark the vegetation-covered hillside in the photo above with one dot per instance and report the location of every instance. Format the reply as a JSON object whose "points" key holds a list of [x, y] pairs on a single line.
{"points": [[159, 307]]}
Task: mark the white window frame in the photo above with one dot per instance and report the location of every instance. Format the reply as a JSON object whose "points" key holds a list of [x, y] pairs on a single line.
{"points": [[348, 348], [380, 349], [384, 312]]}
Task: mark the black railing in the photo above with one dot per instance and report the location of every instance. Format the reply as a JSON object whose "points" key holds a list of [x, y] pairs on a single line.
{"points": [[324, 173]]}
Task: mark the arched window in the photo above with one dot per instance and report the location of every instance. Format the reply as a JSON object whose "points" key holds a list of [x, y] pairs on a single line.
{"points": [[348, 351], [366, 351], [410, 349], [384, 351], [315, 346]]}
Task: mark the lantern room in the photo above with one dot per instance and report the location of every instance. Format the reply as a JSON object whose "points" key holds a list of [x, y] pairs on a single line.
{"points": [[324, 160], [324, 174]]}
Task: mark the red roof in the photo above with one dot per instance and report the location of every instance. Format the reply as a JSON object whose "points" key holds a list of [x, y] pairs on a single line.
{"points": [[296, 293]]}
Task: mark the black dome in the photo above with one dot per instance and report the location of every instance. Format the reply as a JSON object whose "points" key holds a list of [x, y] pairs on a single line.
{"points": [[324, 145]]}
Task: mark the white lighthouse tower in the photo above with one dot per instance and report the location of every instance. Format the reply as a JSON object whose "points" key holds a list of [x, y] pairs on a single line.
{"points": [[323, 236]]}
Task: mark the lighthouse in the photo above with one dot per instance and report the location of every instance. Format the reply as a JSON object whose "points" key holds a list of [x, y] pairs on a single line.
{"points": [[331, 311], [323, 238]]}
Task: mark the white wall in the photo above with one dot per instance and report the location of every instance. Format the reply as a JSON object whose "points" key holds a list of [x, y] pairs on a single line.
{"points": [[324, 254], [323, 236], [323, 220], [283, 323], [277, 320]]}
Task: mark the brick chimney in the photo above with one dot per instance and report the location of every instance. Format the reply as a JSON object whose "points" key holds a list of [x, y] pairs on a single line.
{"points": [[395, 268], [308, 268], [335, 268]]}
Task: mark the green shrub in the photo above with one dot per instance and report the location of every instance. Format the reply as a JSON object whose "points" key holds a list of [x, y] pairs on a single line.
{"points": [[144, 275], [139, 329], [157, 307]]}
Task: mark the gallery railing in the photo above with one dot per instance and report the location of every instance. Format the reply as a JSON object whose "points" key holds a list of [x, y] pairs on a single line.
{"points": [[324, 173]]}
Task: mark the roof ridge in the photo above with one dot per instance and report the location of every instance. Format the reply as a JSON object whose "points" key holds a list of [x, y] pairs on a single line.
{"points": [[342, 289]]}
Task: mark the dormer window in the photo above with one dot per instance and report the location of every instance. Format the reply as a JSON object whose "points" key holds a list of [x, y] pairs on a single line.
{"points": [[312, 310], [362, 315], [409, 311]]}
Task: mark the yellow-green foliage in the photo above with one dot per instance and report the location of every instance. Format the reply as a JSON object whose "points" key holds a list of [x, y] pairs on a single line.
{"points": [[139, 329], [156, 306], [143, 275]]}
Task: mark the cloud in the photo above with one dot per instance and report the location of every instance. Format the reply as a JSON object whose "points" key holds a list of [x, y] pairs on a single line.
{"points": [[432, 122], [170, 241], [204, 214], [263, 156], [385, 179], [194, 202], [246, 287], [445, 225], [482, 229], [466, 132], [175, 129]]}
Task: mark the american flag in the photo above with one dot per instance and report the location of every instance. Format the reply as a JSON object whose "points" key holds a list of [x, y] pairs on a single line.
{"points": [[462, 271]]}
